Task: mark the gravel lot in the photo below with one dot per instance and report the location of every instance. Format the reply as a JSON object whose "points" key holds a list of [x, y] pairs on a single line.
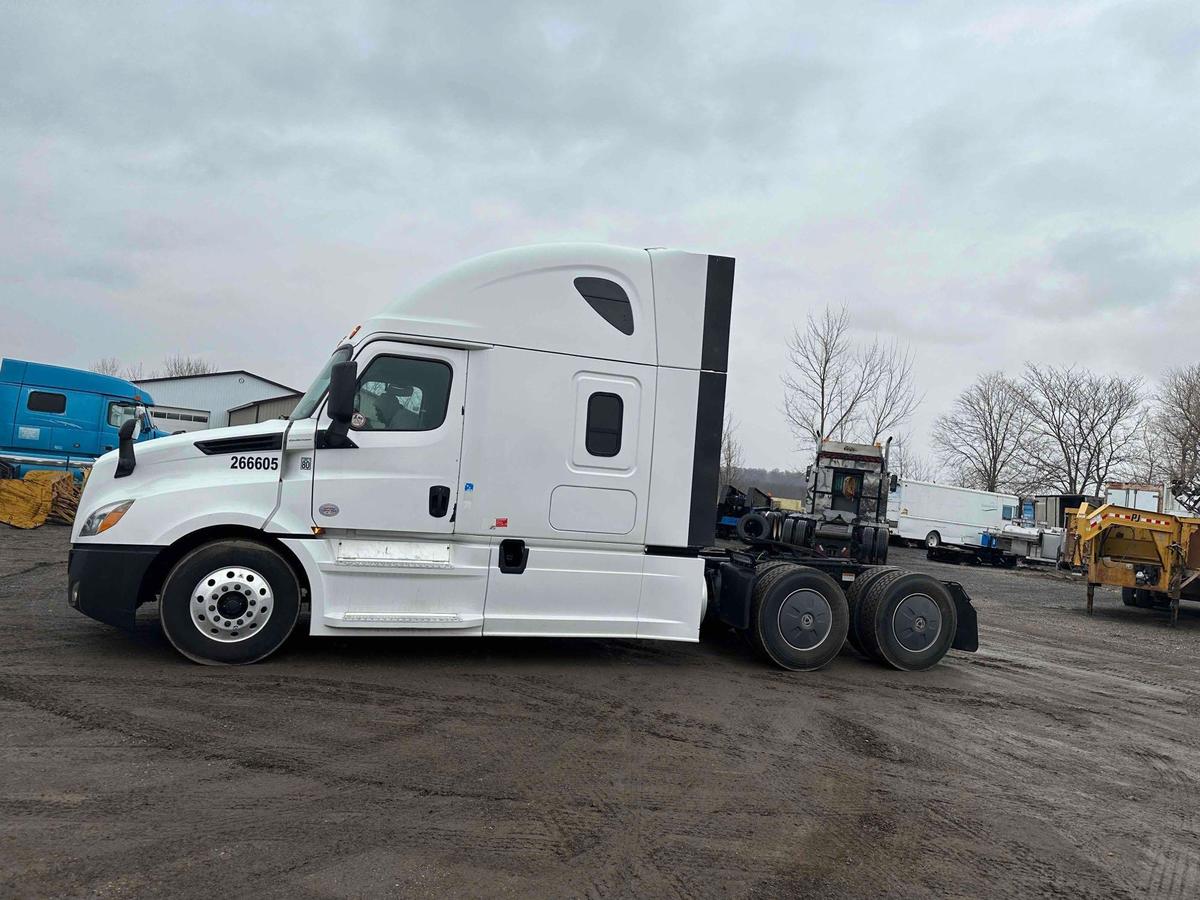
{"points": [[1061, 759]]}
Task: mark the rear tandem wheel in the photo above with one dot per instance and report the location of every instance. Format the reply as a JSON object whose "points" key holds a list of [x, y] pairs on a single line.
{"points": [[798, 617], [854, 597], [907, 620]]}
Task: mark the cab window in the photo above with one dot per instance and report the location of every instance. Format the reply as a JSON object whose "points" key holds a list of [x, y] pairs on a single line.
{"points": [[402, 393], [605, 416], [120, 413]]}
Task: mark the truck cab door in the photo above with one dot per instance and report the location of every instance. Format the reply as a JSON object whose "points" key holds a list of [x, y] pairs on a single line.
{"points": [[399, 470]]}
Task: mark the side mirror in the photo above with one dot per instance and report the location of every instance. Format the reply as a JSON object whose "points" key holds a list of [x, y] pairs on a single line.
{"points": [[343, 385], [893, 483]]}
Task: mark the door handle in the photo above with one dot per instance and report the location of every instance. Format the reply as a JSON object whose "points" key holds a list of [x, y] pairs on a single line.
{"points": [[513, 556], [439, 500]]}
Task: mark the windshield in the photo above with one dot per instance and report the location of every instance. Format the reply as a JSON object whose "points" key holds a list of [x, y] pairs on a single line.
{"points": [[308, 403]]}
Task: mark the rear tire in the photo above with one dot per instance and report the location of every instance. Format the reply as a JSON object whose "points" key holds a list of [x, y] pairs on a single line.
{"points": [[881, 546], [798, 617], [854, 598], [864, 550], [908, 621], [933, 540], [230, 602]]}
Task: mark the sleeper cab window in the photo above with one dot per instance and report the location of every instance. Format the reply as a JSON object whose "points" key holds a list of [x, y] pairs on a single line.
{"points": [[605, 413], [608, 299], [46, 402], [402, 393]]}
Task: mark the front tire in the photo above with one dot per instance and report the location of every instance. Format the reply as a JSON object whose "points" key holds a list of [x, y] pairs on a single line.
{"points": [[230, 602], [798, 618], [933, 540]]}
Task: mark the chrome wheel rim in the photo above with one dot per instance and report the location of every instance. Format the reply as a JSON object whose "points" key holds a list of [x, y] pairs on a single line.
{"points": [[231, 604]]}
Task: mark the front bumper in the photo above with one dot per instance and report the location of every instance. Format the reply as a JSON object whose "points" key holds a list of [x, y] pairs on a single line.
{"points": [[105, 580]]}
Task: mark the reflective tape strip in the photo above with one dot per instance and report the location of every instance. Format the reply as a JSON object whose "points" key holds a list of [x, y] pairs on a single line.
{"points": [[1129, 517]]}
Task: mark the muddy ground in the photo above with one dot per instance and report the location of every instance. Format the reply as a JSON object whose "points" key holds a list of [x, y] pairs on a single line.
{"points": [[1062, 759]]}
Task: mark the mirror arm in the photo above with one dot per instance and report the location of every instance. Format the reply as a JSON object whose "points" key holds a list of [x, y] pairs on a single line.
{"points": [[335, 437]]}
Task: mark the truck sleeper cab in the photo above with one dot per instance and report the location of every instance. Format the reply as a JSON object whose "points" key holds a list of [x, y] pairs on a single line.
{"points": [[530, 449], [527, 445], [53, 417]]}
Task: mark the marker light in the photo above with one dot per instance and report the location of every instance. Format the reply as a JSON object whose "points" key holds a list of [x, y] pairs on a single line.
{"points": [[105, 518]]}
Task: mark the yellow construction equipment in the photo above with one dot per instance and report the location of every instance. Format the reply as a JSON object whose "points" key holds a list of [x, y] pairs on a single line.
{"points": [[1153, 557], [41, 496]]}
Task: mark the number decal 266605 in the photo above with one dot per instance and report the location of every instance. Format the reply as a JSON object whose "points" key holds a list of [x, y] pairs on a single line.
{"points": [[254, 462]]}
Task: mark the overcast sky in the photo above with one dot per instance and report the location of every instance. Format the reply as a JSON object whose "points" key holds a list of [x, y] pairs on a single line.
{"points": [[990, 182]]}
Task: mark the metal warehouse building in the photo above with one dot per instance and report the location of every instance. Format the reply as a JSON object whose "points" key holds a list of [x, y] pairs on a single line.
{"points": [[196, 402]]}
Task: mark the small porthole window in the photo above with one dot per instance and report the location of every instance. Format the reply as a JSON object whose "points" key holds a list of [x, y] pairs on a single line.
{"points": [[605, 413]]}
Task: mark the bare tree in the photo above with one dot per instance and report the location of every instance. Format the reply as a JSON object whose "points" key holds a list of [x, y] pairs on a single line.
{"points": [[732, 457], [1177, 419], [985, 437], [1085, 426], [1150, 456], [180, 365], [134, 372], [893, 398], [107, 365], [905, 462], [836, 389]]}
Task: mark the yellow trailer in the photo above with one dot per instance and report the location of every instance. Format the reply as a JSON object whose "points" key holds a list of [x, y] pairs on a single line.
{"points": [[1154, 558]]}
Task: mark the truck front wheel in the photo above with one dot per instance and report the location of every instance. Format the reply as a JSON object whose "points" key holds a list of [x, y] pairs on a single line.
{"points": [[933, 540], [798, 617], [229, 602]]}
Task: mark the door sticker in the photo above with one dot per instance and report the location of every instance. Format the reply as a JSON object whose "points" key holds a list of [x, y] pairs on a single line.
{"points": [[328, 510]]}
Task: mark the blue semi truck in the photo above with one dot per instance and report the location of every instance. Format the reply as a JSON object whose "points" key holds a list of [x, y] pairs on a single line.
{"points": [[52, 417]]}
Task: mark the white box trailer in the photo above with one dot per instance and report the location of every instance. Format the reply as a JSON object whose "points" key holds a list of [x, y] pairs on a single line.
{"points": [[527, 445], [940, 514]]}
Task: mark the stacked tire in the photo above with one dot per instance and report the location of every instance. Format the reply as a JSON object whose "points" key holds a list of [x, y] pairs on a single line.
{"points": [[903, 619]]}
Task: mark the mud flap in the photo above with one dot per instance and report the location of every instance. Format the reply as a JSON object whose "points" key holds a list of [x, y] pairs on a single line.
{"points": [[732, 587], [967, 635]]}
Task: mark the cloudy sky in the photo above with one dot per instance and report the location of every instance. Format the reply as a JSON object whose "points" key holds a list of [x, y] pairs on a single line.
{"points": [[989, 182]]}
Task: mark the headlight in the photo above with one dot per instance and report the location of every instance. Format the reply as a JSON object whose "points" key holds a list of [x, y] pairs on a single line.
{"points": [[105, 518]]}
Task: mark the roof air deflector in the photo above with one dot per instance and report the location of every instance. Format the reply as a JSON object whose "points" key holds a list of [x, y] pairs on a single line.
{"points": [[608, 299]]}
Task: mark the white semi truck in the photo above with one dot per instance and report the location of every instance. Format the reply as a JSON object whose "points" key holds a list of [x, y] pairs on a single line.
{"points": [[527, 445]]}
